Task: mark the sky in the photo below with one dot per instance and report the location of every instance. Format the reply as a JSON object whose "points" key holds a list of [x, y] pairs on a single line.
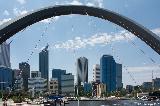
{"points": [[73, 36]]}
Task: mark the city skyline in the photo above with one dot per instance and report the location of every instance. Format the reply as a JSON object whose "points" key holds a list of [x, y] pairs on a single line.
{"points": [[80, 33]]}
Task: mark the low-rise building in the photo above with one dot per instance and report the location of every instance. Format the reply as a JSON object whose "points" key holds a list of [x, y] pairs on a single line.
{"points": [[129, 88], [18, 80], [147, 85], [87, 87], [156, 83], [18, 83], [101, 89], [67, 84], [95, 88], [53, 86], [35, 74], [38, 84]]}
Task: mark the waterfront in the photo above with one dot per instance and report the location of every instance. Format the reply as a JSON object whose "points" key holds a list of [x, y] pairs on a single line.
{"points": [[114, 103], [99, 103]]}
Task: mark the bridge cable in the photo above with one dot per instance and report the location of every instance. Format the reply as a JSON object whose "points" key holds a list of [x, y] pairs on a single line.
{"points": [[32, 52]]}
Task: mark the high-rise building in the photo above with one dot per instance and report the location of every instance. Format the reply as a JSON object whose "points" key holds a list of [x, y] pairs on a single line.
{"points": [[35, 74], [119, 84], [57, 73], [44, 63], [5, 55], [111, 73], [6, 78], [82, 70], [67, 84], [96, 73], [25, 68], [108, 72]]}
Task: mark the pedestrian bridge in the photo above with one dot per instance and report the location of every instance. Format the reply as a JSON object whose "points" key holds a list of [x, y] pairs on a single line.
{"points": [[10, 28]]}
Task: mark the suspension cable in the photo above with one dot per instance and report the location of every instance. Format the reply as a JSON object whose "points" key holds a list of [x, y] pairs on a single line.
{"points": [[35, 47]]}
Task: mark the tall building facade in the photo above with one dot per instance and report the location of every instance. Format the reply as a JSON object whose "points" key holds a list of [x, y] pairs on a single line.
{"points": [[96, 73], [119, 84], [25, 68], [6, 78], [57, 73], [82, 70], [5, 55], [111, 73], [108, 72], [44, 63]]}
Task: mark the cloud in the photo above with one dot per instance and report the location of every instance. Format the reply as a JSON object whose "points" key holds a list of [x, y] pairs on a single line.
{"points": [[21, 1], [6, 13], [56, 18], [96, 3], [156, 31], [97, 39], [145, 69], [76, 2], [18, 12], [4, 20]]}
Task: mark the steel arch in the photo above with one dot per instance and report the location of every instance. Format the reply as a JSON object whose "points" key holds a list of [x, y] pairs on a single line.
{"points": [[12, 27]]}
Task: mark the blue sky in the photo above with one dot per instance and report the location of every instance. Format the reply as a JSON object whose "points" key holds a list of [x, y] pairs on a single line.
{"points": [[73, 36]]}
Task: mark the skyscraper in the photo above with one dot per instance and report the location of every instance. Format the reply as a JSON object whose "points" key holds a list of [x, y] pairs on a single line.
{"points": [[108, 72], [119, 84], [82, 70], [5, 55], [96, 73], [44, 63], [6, 78], [25, 68], [111, 73]]}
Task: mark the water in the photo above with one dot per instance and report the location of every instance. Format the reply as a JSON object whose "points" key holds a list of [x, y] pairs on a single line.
{"points": [[114, 103]]}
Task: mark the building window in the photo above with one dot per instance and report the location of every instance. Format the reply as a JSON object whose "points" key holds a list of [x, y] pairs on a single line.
{"points": [[56, 87], [51, 87]]}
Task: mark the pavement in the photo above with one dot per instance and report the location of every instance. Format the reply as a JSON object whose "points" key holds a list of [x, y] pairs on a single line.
{"points": [[11, 103]]}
